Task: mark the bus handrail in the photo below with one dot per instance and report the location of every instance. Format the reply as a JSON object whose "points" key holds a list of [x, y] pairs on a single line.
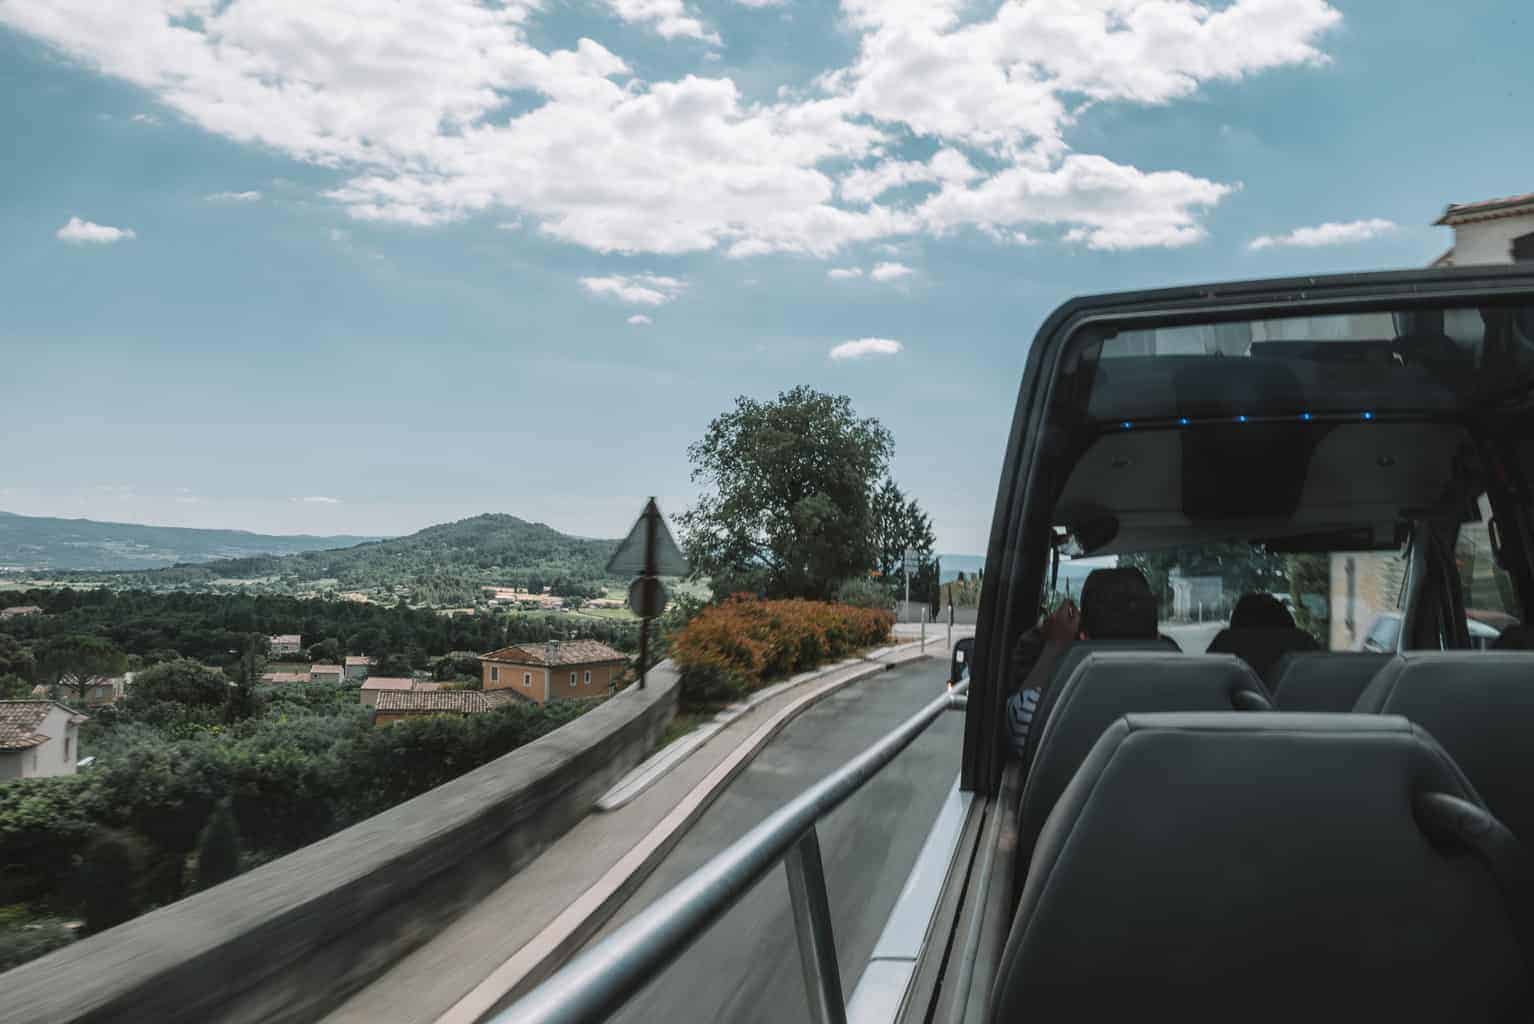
{"points": [[601, 979]]}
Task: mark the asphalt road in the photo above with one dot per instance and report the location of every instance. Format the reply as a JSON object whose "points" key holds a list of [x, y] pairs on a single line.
{"points": [[745, 968]]}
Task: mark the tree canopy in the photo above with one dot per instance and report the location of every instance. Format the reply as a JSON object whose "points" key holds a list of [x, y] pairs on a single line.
{"points": [[74, 662], [788, 506]]}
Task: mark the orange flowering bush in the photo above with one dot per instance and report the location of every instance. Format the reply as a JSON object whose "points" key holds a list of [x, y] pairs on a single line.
{"points": [[734, 647]]}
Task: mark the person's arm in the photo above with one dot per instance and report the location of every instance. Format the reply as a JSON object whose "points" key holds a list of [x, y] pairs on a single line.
{"points": [[1059, 630]]}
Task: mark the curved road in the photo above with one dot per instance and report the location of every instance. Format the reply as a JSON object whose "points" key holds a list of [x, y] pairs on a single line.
{"points": [[746, 967]]}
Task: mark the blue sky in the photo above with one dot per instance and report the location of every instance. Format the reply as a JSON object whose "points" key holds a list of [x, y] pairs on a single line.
{"points": [[347, 267]]}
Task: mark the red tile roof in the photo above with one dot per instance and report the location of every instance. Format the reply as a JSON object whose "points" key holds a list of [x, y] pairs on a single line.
{"points": [[387, 683], [336, 669], [566, 652], [358, 659], [19, 721], [463, 702], [280, 678], [1460, 212]]}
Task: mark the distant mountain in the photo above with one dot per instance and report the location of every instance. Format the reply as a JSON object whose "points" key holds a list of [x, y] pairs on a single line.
{"points": [[42, 542], [451, 558]]}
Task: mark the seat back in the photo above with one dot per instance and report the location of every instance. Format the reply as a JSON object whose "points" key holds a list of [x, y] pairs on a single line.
{"points": [[1515, 638], [1480, 706], [1105, 686], [1260, 867], [1322, 680], [1261, 647]]}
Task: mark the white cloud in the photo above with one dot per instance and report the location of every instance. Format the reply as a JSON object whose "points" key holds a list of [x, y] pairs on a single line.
{"points": [[407, 101], [640, 320], [844, 273], [636, 289], [234, 197], [669, 18], [515, 224], [761, 3], [890, 272], [866, 347], [145, 119], [319, 500], [84, 232], [1330, 233]]}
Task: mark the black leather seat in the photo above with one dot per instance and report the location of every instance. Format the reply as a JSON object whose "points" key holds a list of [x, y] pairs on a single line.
{"points": [[1515, 638], [1261, 631], [1480, 706], [1077, 652], [1322, 680], [1265, 867], [1105, 686]]}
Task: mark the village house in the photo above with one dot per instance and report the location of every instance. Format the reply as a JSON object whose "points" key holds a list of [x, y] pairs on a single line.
{"points": [[19, 611], [374, 685], [284, 678], [324, 673], [108, 690], [556, 670], [358, 666], [1489, 231], [393, 705], [284, 643], [38, 738]]}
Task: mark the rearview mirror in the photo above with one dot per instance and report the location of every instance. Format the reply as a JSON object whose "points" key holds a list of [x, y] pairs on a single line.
{"points": [[958, 667]]}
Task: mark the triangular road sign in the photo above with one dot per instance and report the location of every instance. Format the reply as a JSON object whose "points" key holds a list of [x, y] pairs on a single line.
{"points": [[629, 559]]}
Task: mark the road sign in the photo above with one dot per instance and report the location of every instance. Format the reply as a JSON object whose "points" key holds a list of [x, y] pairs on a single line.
{"points": [[647, 598], [910, 556], [630, 559]]}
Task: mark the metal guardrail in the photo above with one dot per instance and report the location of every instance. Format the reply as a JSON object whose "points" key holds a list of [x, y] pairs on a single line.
{"points": [[601, 979]]}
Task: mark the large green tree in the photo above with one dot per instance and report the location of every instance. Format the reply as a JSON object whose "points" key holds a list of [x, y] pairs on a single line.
{"points": [[69, 665], [183, 681], [16, 659], [787, 507]]}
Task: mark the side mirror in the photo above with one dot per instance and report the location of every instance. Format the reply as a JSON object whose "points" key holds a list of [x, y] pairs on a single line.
{"points": [[963, 654]]}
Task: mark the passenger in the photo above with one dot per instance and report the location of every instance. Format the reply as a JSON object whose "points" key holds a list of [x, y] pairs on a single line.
{"points": [[1260, 611], [1116, 604]]}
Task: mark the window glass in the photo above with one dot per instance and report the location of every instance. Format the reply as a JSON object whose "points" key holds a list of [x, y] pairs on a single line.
{"points": [[1340, 598], [1491, 604], [495, 675], [572, 678], [527, 679]]}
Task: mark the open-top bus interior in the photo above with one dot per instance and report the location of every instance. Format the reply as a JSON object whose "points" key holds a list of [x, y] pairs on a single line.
{"points": [[1325, 810]]}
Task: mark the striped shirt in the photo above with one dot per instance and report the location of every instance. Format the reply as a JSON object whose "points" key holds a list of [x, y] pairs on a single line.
{"points": [[1020, 709]]}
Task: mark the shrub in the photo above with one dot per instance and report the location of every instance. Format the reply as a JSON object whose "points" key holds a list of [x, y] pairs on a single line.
{"points": [[44, 826], [866, 593], [109, 879], [25, 937], [218, 848], [741, 643]]}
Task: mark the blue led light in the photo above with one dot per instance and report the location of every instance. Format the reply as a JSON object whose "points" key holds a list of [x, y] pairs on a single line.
{"points": [[1368, 415], [1127, 425], [1183, 421], [1305, 416], [1240, 419]]}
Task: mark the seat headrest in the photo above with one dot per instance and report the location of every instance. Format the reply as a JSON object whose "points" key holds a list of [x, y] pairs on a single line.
{"points": [[1107, 685], [1261, 647], [1322, 680], [1200, 866], [1480, 706], [1260, 611], [1118, 604]]}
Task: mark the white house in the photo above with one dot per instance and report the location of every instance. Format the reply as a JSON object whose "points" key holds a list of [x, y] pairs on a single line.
{"points": [[38, 738], [284, 643], [1490, 231]]}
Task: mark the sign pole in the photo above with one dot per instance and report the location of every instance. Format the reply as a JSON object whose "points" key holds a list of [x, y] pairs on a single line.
{"points": [[651, 513]]}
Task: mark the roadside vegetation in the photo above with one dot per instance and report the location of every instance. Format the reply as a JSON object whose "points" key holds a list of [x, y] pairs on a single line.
{"points": [[195, 781]]}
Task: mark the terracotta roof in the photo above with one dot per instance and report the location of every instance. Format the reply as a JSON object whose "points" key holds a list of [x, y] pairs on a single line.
{"points": [[20, 609], [19, 720], [463, 702], [566, 652], [278, 678], [324, 668], [387, 683], [358, 659], [285, 638], [1458, 213]]}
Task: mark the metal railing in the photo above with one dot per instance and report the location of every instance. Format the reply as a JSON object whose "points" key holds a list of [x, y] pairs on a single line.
{"points": [[601, 979]]}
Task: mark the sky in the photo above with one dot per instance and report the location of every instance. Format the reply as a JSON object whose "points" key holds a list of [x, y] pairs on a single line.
{"points": [[354, 266]]}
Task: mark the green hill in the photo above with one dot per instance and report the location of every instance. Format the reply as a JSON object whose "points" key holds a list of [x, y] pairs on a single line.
{"points": [[42, 542], [440, 564]]}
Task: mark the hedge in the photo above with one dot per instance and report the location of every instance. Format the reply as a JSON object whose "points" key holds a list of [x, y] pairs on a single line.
{"points": [[734, 647]]}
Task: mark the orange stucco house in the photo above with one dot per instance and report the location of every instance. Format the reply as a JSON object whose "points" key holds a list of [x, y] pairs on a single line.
{"points": [[557, 670]]}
